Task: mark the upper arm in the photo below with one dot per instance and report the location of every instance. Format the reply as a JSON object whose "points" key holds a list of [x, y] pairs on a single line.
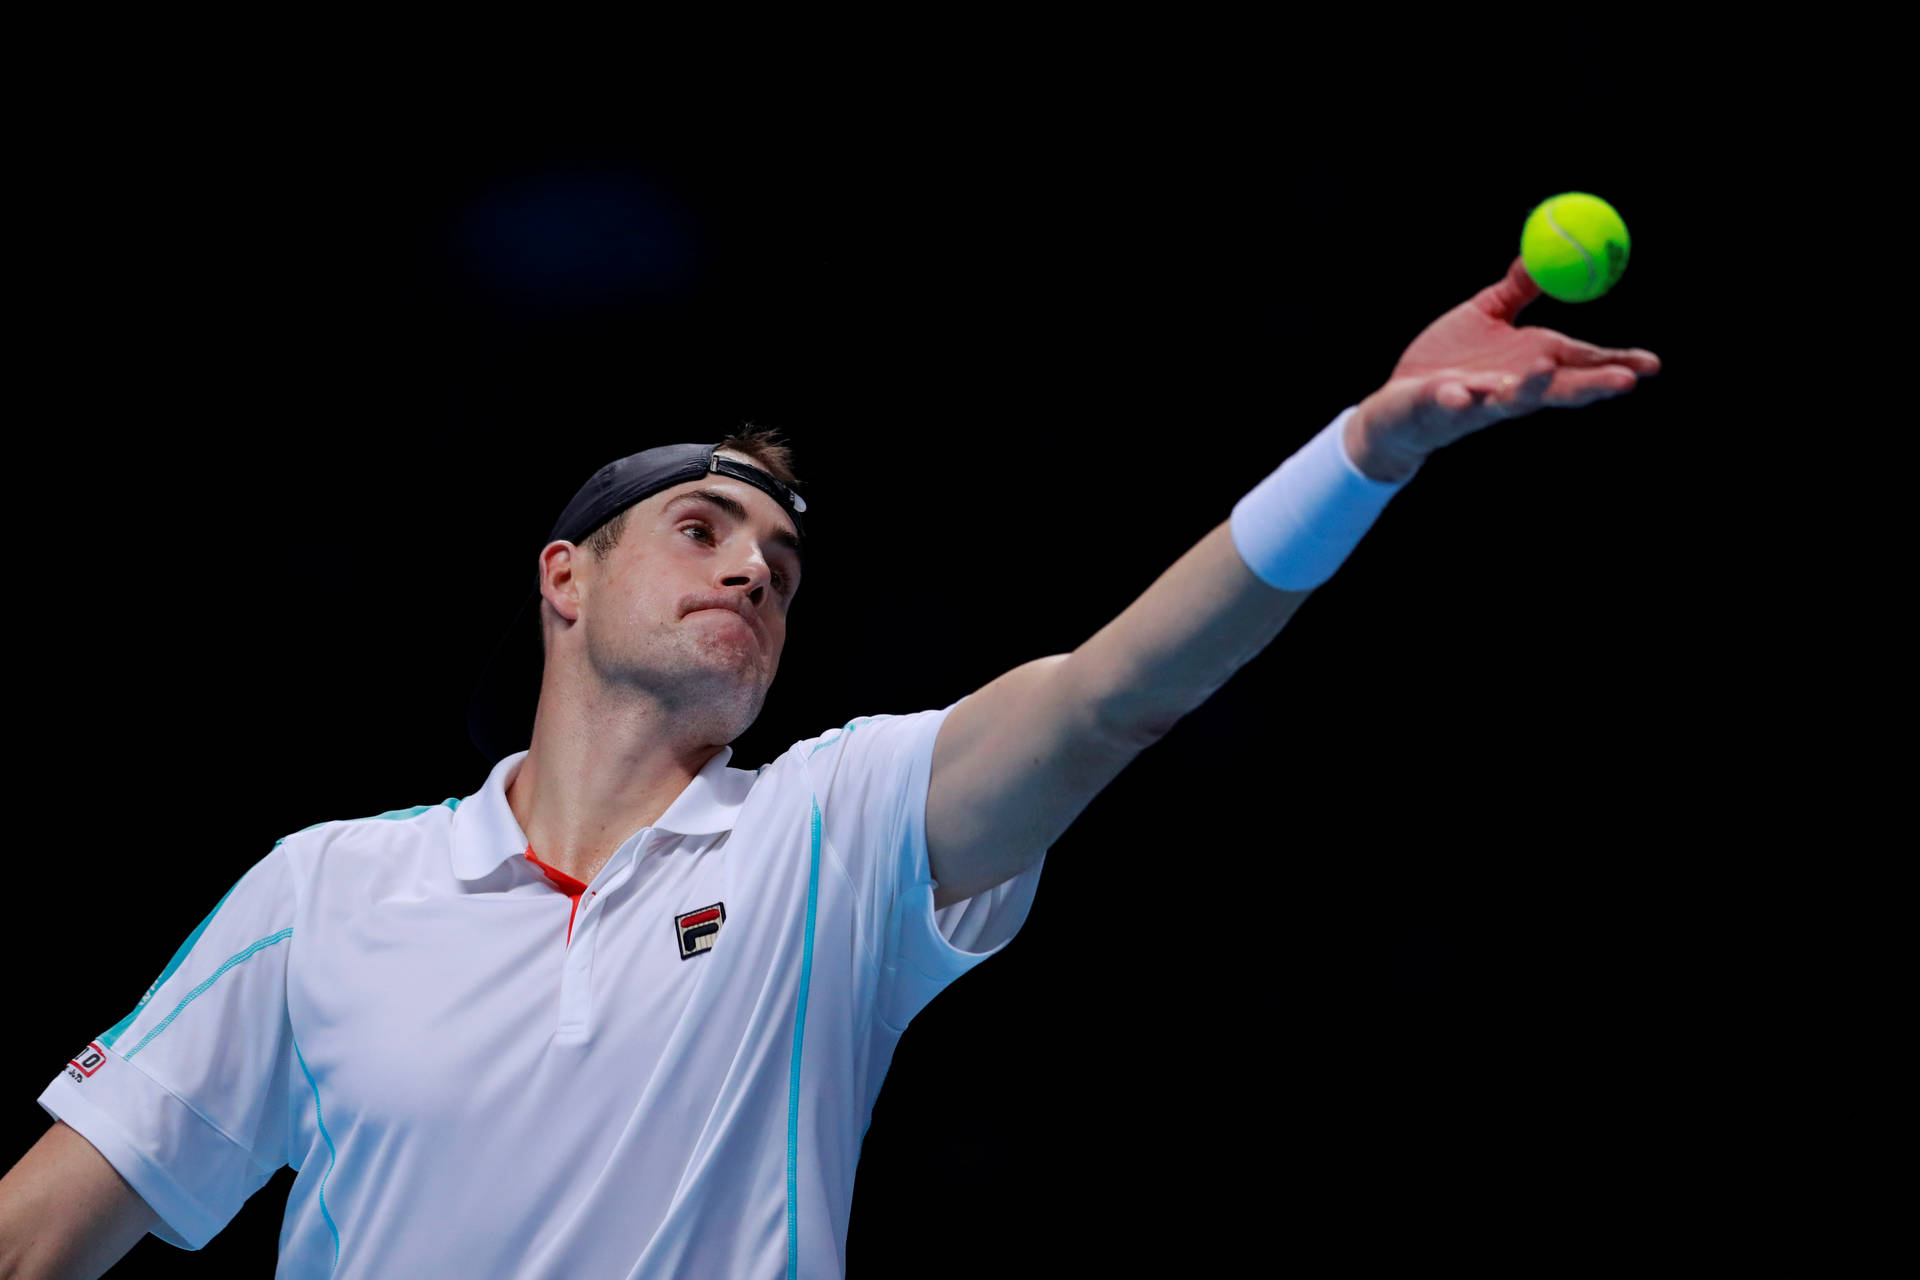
{"points": [[1014, 764], [187, 1097], [65, 1211]]}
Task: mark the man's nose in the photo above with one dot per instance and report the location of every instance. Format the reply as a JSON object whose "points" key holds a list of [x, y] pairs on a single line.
{"points": [[753, 573]]}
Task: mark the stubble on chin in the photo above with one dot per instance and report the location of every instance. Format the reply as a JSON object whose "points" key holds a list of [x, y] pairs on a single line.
{"points": [[737, 686]]}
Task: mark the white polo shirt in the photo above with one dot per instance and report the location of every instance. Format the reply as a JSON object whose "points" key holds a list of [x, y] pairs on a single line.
{"points": [[477, 1074]]}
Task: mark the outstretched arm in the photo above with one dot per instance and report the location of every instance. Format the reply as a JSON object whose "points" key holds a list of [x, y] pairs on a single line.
{"points": [[1020, 759]]}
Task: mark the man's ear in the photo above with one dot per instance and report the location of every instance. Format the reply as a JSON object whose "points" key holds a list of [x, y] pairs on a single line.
{"points": [[560, 586]]}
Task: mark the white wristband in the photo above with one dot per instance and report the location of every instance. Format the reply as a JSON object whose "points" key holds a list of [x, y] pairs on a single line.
{"points": [[1299, 524]]}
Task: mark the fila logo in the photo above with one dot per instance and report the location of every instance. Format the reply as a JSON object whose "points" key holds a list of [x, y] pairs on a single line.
{"points": [[85, 1063], [697, 929]]}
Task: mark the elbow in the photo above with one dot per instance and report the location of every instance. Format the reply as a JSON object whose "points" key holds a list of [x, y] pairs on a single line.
{"points": [[1122, 709], [1128, 719]]}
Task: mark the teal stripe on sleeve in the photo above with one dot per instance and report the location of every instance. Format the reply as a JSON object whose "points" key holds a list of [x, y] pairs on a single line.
{"points": [[113, 1033], [119, 1028], [239, 957]]}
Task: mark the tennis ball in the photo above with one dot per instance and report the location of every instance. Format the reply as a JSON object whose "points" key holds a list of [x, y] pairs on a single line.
{"points": [[1574, 246]]}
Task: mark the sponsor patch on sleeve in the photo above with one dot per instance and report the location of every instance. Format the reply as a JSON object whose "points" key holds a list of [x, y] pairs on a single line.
{"points": [[83, 1064]]}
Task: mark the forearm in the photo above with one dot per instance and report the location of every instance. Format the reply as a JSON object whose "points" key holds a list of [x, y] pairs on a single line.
{"points": [[1183, 638], [1229, 596]]}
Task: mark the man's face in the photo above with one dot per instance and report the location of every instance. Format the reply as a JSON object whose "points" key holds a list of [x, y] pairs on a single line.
{"points": [[692, 604]]}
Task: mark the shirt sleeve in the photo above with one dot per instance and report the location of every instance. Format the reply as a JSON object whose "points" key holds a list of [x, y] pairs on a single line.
{"points": [[187, 1096], [871, 779]]}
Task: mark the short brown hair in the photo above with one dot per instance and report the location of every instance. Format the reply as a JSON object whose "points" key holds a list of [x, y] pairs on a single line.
{"points": [[762, 444]]}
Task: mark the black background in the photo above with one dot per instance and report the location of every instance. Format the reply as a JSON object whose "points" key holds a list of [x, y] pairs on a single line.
{"points": [[311, 404]]}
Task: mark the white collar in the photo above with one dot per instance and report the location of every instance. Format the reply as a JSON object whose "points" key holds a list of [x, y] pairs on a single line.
{"points": [[486, 834]]}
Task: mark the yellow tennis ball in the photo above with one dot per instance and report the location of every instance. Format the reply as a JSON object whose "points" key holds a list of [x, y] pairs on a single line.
{"points": [[1574, 246]]}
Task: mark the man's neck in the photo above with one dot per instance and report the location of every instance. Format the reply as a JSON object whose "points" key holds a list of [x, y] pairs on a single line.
{"points": [[584, 788]]}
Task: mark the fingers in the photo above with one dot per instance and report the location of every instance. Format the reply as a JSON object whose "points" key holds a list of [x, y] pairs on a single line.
{"points": [[1585, 354], [1568, 388], [1507, 394], [1546, 384]]}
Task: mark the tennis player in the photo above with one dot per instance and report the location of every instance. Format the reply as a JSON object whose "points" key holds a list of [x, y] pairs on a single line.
{"points": [[625, 1009]]}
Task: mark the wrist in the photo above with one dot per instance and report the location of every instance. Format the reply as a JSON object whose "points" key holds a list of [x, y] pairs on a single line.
{"points": [[1297, 526], [1373, 452]]}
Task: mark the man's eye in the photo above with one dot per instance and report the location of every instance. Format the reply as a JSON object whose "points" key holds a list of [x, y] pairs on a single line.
{"points": [[780, 579]]}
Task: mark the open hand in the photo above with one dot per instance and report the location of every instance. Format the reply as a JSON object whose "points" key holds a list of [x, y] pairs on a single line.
{"points": [[1472, 368]]}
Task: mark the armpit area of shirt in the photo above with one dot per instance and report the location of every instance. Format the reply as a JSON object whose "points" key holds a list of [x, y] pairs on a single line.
{"points": [[936, 947], [962, 934]]}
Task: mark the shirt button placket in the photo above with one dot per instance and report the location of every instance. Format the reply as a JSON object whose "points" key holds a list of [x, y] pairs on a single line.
{"points": [[576, 975]]}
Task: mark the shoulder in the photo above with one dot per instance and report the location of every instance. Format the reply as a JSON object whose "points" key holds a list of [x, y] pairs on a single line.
{"points": [[867, 751], [388, 832], [861, 736]]}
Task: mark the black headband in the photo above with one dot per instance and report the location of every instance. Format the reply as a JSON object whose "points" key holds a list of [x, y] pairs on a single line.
{"points": [[501, 707], [618, 485]]}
